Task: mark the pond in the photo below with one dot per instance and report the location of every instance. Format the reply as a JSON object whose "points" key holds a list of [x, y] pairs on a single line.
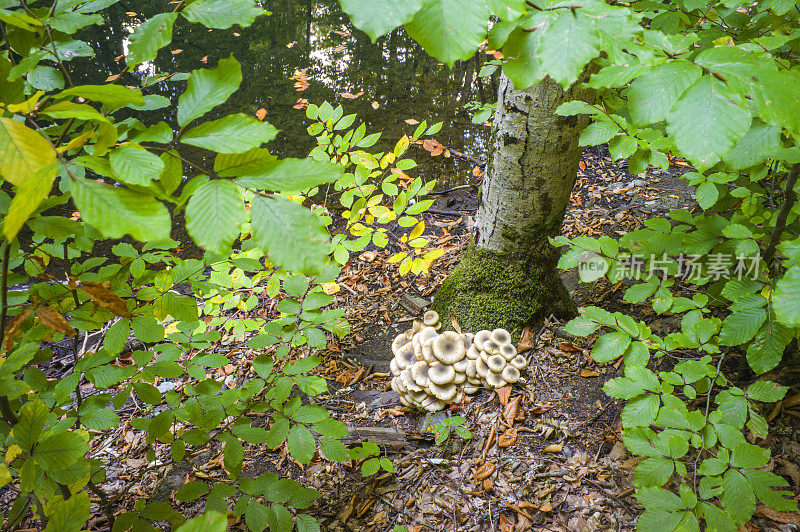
{"points": [[387, 83]]}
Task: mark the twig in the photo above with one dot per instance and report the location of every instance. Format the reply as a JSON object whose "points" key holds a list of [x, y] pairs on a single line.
{"points": [[5, 405], [780, 223]]}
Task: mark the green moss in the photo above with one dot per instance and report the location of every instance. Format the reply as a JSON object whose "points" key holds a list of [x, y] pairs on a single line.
{"points": [[514, 289]]}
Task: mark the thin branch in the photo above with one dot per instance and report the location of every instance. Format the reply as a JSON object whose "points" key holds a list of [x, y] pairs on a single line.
{"points": [[5, 405], [789, 200]]}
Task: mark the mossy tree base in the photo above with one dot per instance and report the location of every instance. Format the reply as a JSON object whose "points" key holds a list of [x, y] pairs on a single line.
{"points": [[490, 289]]}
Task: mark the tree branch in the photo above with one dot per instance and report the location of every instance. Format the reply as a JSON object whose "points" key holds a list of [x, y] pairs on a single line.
{"points": [[5, 405], [789, 200]]}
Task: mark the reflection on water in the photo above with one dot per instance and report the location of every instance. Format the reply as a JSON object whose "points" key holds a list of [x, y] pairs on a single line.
{"points": [[313, 35]]}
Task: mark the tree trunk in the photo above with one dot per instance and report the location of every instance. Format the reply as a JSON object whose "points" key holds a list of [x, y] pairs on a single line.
{"points": [[508, 276]]}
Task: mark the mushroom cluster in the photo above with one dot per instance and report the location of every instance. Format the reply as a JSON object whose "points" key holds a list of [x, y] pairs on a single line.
{"points": [[432, 369]]}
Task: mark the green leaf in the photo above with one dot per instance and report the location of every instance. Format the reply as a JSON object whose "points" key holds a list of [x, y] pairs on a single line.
{"points": [[766, 391], [741, 326], [147, 329], [256, 516], [207, 89], [232, 456], [149, 38], [641, 411], [746, 455], [222, 14], [707, 195], [306, 523], [567, 44], [610, 346], [286, 174], [68, 515], [652, 94], [214, 214], [301, 444], [777, 95], [32, 419], [191, 491], [147, 393], [654, 471], [279, 518], [737, 496], [110, 95], [706, 121], [598, 133], [232, 134], [72, 21], [208, 522], [450, 30], [766, 349], [717, 520], [115, 211], [292, 235], [522, 66], [753, 147], [334, 450], [29, 195], [639, 292], [60, 450], [135, 165], [379, 17], [45, 78], [786, 299], [24, 152], [581, 326], [370, 467]]}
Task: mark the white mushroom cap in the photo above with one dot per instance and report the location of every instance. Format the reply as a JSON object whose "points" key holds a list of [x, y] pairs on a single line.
{"points": [[501, 336], [459, 378], [518, 362], [475, 381], [449, 347], [426, 334], [508, 351], [419, 372], [394, 368], [485, 356], [471, 369], [397, 385], [480, 337], [416, 345], [408, 381], [470, 388], [399, 341], [481, 369], [510, 374], [473, 352], [461, 365], [441, 374], [435, 405], [417, 397], [438, 327], [427, 351], [490, 347], [405, 402], [405, 357], [430, 318], [496, 363], [495, 380], [445, 392], [460, 397]]}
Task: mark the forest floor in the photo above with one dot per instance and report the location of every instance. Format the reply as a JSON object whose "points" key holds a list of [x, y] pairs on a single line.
{"points": [[544, 455]]}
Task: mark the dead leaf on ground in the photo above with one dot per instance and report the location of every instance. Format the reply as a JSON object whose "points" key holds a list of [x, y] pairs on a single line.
{"points": [[555, 448], [411, 121], [525, 341], [351, 96], [433, 147], [112, 77], [787, 518], [503, 394], [512, 411], [586, 373], [484, 471], [302, 103], [508, 438], [261, 113]]}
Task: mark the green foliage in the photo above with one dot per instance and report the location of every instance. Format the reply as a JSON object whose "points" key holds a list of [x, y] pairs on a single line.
{"points": [[127, 186], [451, 425], [371, 461]]}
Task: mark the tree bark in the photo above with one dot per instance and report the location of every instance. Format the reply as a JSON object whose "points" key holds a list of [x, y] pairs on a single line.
{"points": [[508, 276]]}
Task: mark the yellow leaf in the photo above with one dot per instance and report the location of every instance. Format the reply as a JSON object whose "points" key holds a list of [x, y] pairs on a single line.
{"points": [[435, 254], [405, 266], [23, 151], [330, 287], [397, 257], [417, 230], [77, 142], [418, 242], [387, 159], [5, 475], [29, 194], [13, 451], [27, 106], [401, 146]]}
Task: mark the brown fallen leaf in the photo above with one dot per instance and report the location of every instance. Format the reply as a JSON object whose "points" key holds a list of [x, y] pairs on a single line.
{"points": [[105, 298], [792, 401], [787, 518], [484, 471], [512, 410], [13, 326], [302, 103], [555, 448], [546, 507], [351, 96], [176, 51], [112, 77], [261, 113], [508, 438], [53, 319], [503, 394], [525, 340], [433, 146], [589, 373], [505, 523], [488, 485], [411, 121]]}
